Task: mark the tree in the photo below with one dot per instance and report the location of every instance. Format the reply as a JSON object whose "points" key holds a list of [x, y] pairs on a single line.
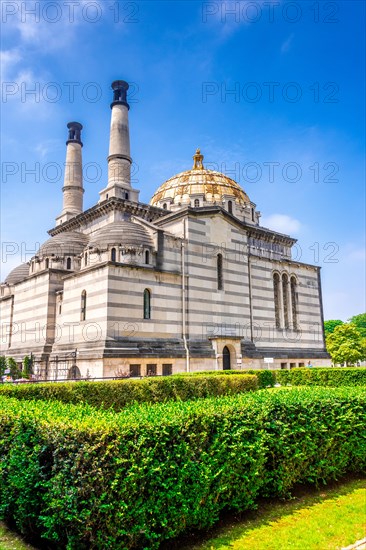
{"points": [[15, 372], [27, 366], [3, 365], [329, 326], [346, 345], [360, 322]]}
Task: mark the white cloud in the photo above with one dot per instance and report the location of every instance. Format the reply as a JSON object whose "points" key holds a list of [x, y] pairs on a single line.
{"points": [[357, 255], [281, 223], [8, 59]]}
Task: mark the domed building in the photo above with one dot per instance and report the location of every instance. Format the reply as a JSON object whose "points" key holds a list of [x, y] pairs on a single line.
{"points": [[189, 282]]}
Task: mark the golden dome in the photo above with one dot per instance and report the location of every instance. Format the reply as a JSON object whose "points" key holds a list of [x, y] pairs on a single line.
{"points": [[214, 186]]}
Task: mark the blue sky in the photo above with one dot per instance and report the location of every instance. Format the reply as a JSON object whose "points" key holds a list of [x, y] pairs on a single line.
{"points": [[271, 91]]}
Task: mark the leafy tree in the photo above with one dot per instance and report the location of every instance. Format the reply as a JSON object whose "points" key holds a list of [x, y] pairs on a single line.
{"points": [[329, 326], [346, 345], [3, 365], [15, 372], [360, 322], [27, 366]]}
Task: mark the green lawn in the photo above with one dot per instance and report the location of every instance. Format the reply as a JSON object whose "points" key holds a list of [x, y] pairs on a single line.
{"points": [[10, 541], [326, 519]]}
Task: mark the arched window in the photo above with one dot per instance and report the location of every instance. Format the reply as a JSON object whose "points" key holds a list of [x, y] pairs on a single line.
{"points": [[196, 203], [285, 300], [277, 301], [253, 217], [165, 206], [113, 255], [83, 306], [147, 304], [294, 303], [32, 267], [68, 263], [219, 272], [47, 263], [86, 258], [147, 257], [126, 196], [230, 207]]}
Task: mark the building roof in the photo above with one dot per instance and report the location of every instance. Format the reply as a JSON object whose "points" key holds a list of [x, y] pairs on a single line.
{"points": [[121, 233], [17, 274], [68, 243], [199, 181]]}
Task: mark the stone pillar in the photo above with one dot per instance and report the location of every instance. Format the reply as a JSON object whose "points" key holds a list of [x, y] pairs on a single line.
{"points": [[73, 180], [119, 159]]}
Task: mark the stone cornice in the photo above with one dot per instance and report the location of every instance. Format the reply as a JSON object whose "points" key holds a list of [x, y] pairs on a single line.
{"points": [[144, 211], [252, 230], [108, 263]]}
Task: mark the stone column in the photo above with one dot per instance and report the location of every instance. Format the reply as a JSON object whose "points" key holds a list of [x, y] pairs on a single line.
{"points": [[73, 180]]}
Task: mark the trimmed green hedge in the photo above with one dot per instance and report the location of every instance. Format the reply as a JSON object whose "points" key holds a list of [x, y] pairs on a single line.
{"points": [[118, 394], [302, 376], [82, 478], [265, 377], [325, 376]]}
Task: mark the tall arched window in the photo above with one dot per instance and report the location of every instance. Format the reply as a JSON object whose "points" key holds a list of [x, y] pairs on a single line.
{"points": [[277, 301], [113, 255], [68, 263], [220, 282], [83, 306], [230, 207], [86, 258], [285, 300], [147, 304], [165, 206], [294, 303], [47, 263], [147, 257], [196, 203]]}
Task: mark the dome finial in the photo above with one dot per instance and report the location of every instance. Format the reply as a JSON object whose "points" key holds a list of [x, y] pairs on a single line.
{"points": [[197, 160]]}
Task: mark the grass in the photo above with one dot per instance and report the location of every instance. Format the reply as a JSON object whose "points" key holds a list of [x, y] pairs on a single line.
{"points": [[10, 541], [326, 519]]}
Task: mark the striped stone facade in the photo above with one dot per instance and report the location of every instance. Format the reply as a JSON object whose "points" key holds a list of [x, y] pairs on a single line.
{"points": [[189, 282]]}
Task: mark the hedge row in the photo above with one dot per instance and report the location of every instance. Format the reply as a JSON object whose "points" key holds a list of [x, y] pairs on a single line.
{"points": [[265, 377], [326, 376], [315, 376], [118, 394], [81, 478]]}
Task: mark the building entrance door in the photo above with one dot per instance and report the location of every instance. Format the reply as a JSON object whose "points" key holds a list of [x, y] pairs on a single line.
{"points": [[226, 358]]}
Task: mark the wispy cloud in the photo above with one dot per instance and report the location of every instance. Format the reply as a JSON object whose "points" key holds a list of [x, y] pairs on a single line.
{"points": [[281, 223]]}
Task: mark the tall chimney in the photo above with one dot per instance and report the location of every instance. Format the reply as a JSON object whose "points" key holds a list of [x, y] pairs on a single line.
{"points": [[73, 181], [119, 159]]}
